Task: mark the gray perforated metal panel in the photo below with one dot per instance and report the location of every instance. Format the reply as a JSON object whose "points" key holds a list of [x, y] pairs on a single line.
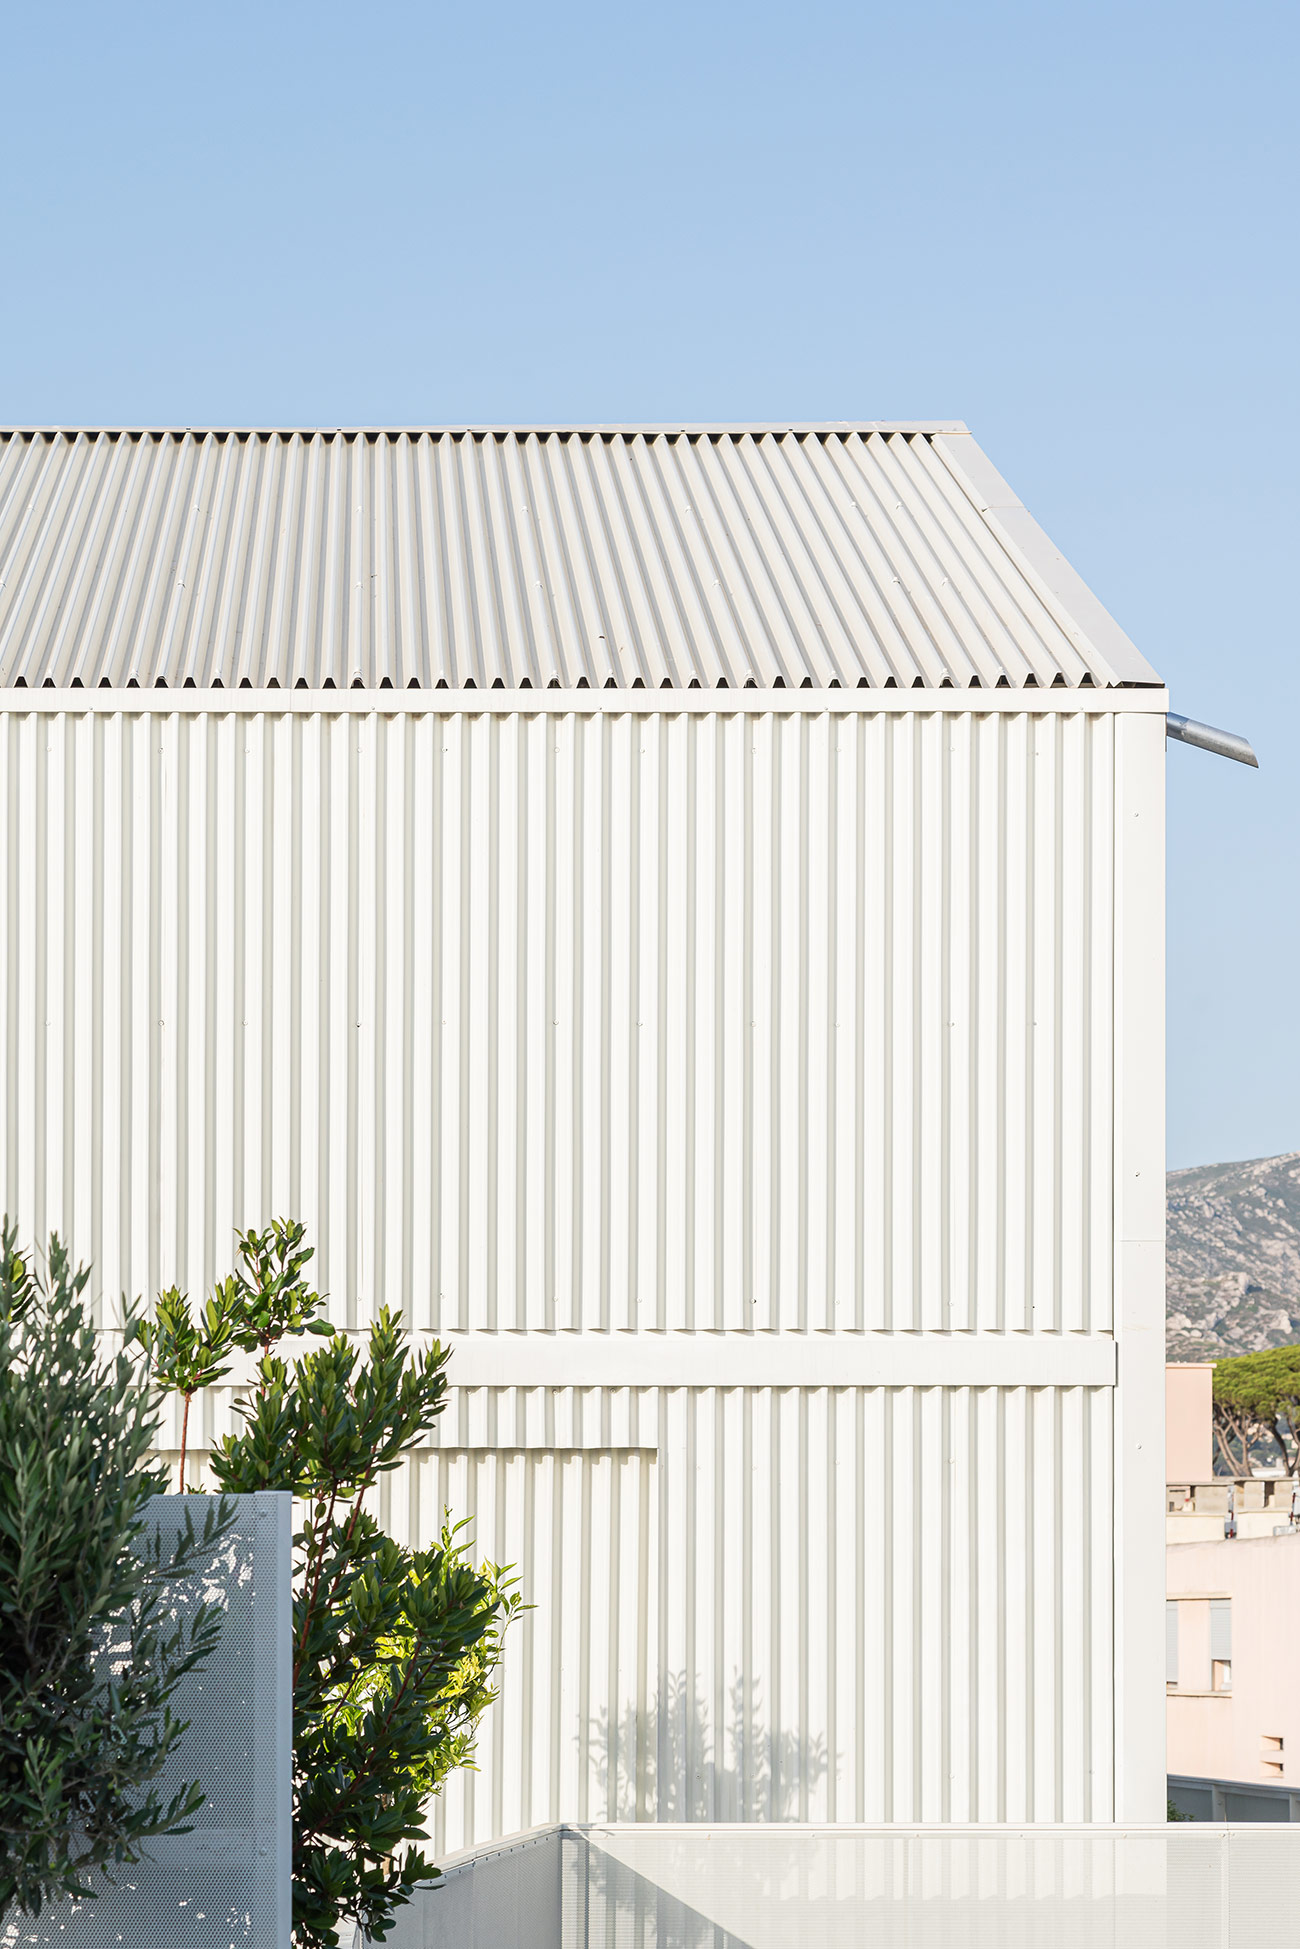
{"points": [[503, 1897], [227, 1884]]}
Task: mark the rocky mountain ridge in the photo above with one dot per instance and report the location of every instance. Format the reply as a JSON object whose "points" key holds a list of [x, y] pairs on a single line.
{"points": [[1232, 1281]]}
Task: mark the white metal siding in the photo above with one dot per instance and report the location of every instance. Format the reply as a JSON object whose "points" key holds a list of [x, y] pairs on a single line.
{"points": [[756, 1022], [649, 1032], [821, 1604]]}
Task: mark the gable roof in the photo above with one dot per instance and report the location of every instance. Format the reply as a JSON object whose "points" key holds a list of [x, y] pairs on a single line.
{"points": [[855, 556]]}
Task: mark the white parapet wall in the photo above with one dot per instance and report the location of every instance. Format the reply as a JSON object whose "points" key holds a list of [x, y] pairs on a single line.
{"points": [[752, 1887], [227, 1884]]}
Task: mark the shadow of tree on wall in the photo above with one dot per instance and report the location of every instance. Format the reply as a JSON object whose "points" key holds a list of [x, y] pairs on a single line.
{"points": [[675, 1762]]}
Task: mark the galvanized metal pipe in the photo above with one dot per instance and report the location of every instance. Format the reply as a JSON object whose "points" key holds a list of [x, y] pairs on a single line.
{"points": [[1225, 744]]}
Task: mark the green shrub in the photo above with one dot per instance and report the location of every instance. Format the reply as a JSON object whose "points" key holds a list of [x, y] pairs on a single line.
{"points": [[89, 1654], [394, 1649]]}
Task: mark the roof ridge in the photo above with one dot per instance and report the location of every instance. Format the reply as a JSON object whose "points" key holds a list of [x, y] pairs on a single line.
{"points": [[484, 430]]}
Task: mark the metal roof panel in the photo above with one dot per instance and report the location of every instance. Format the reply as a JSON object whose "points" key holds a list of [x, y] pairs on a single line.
{"points": [[849, 556]]}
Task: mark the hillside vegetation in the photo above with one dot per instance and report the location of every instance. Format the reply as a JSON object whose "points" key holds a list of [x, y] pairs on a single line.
{"points": [[1233, 1267]]}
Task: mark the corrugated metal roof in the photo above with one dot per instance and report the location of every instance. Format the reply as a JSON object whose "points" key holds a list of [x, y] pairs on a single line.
{"points": [[810, 556]]}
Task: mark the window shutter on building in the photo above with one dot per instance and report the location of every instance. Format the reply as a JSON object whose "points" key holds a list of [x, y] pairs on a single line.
{"points": [[1220, 1627]]}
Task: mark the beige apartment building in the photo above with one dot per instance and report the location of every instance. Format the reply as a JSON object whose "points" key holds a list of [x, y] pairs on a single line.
{"points": [[1233, 1706], [1232, 1686]]}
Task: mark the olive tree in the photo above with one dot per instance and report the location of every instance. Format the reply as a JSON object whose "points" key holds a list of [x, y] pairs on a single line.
{"points": [[91, 1648]]}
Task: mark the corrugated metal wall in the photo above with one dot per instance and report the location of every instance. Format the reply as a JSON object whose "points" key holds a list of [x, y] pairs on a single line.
{"points": [[615, 1024], [809, 1604]]}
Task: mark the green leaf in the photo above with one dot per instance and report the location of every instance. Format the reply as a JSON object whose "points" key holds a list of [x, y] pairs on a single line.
{"points": [[395, 1649]]}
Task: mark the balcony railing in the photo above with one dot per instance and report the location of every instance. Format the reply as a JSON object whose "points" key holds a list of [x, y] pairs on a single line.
{"points": [[1232, 1800]]}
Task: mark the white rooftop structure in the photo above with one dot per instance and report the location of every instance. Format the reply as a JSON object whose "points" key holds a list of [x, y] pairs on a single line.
{"points": [[761, 1088]]}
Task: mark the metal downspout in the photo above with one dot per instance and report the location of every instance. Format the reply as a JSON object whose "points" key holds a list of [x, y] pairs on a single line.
{"points": [[1225, 744]]}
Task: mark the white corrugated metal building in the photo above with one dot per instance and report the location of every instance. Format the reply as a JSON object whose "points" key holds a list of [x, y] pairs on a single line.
{"points": [[679, 910]]}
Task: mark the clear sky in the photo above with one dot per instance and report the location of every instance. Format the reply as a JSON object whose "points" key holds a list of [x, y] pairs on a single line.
{"points": [[1072, 226]]}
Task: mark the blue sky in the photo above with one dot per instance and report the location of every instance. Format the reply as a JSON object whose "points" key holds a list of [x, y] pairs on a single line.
{"points": [[1073, 227]]}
